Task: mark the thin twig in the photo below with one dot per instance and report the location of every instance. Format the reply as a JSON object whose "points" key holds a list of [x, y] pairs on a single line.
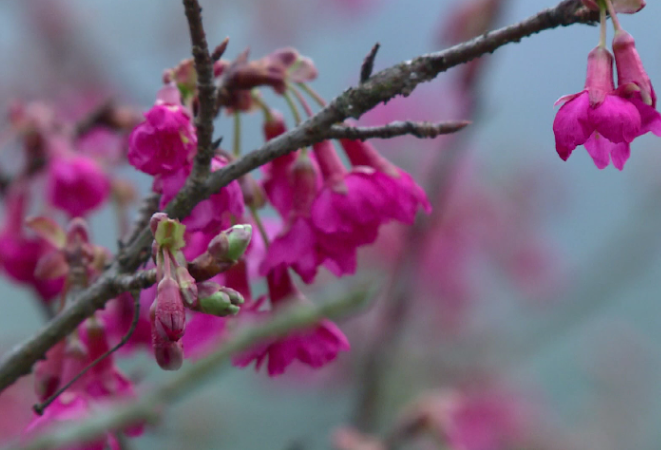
{"points": [[393, 129], [40, 407], [191, 378], [368, 64], [206, 91], [382, 86]]}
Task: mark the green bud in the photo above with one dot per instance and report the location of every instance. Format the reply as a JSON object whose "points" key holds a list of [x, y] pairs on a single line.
{"points": [[239, 238], [218, 304]]}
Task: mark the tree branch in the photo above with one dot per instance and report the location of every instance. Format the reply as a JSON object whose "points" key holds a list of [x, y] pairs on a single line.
{"points": [[206, 91], [147, 407], [400, 79], [418, 129]]}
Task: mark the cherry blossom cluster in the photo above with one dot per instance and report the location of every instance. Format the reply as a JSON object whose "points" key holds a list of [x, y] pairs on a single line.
{"points": [[326, 210], [602, 117]]}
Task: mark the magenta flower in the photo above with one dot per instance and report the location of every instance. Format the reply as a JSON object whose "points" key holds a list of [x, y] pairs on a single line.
{"points": [[70, 407], [597, 117], [19, 254], [211, 215], [164, 142], [297, 243], [76, 185], [314, 347], [406, 195]]}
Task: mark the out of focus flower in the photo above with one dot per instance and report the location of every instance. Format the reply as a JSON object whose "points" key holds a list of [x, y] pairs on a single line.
{"points": [[314, 347], [77, 185]]}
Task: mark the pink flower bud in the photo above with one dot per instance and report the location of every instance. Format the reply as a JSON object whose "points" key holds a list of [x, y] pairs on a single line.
{"points": [[274, 126], [631, 74], [168, 314], [164, 142], [305, 184], [169, 355], [76, 185]]}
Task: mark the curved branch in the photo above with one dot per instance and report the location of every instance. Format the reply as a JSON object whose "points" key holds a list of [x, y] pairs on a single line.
{"points": [[400, 79]]}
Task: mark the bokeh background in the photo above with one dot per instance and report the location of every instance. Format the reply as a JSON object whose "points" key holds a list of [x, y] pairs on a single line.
{"points": [[560, 312]]}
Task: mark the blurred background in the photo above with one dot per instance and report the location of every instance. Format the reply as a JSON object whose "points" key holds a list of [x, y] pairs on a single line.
{"points": [[529, 309]]}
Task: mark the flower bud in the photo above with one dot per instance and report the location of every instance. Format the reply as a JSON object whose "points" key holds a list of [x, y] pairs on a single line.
{"points": [[274, 126], [631, 74], [218, 300], [169, 355], [304, 184], [218, 304], [168, 314], [239, 238], [187, 287]]}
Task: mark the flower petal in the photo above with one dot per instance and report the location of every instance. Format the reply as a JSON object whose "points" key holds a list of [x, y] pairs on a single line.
{"points": [[617, 119], [571, 125]]}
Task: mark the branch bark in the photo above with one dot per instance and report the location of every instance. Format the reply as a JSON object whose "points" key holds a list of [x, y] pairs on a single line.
{"points": [[420, 130], [400, 79], [206, 91]]}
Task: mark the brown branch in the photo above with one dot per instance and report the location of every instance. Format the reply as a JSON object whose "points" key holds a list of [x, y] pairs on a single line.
{"points": [[400, 79], [205, 91], [418, 129]]}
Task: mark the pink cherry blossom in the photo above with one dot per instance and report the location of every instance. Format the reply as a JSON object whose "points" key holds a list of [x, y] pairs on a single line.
{"points": [[406, 195], [598, 117], [314, 347], [69, 407], [20, 254], [164, 142], [76, 185], [297, 243]]}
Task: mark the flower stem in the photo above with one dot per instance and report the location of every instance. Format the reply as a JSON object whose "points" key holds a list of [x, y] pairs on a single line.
{"points": [[301, 99], [260, 225], [292, 106], [312, 93], [602, 22], [236, 144], [613, 14]]}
